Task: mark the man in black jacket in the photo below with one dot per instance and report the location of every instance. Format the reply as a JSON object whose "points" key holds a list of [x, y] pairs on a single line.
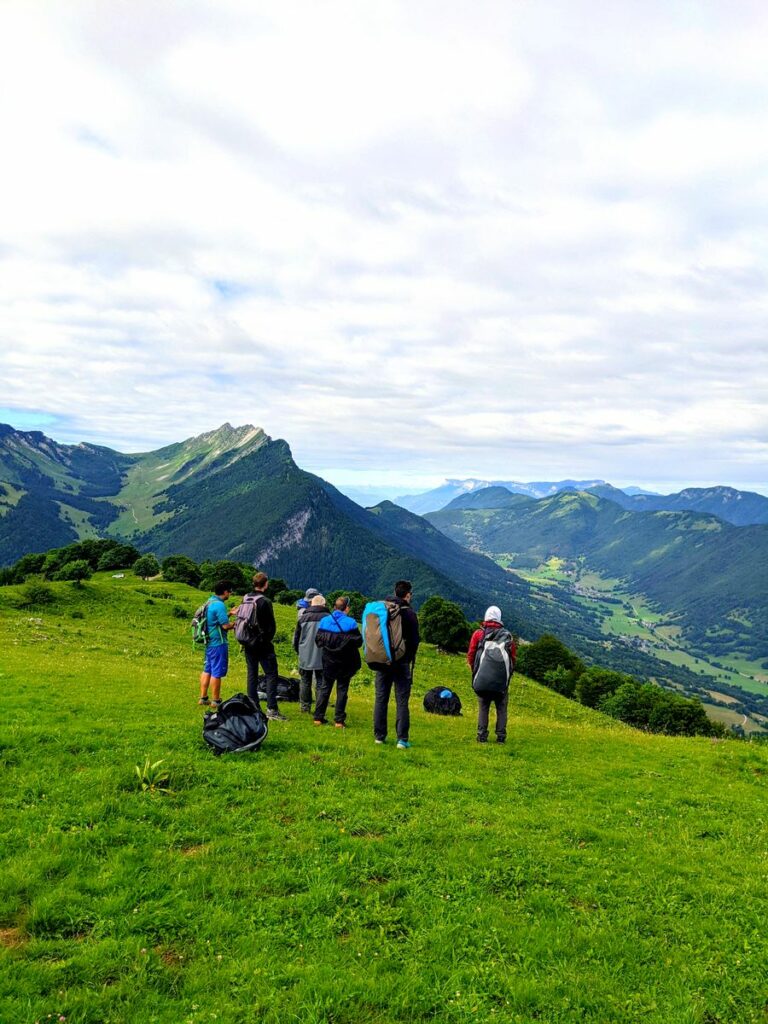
{"points": [[339, 640], [399, 674], [262, 651]]}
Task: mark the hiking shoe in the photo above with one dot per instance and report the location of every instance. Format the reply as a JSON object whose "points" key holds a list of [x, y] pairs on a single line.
{"points": [[340, 725], [481, 739], [379, 742], [216, 703], [275, 716], [319, 721], [499, 740], [203, 702], [404, 745]]}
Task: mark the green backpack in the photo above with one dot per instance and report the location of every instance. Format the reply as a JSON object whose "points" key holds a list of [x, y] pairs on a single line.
{"points": [[200, 632]]}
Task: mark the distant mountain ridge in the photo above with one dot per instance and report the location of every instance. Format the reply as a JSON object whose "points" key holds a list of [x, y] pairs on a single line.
{"points": [[439, 497], [741, 508]]}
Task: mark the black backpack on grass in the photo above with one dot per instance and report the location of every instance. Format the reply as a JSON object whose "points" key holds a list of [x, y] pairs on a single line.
{"points": [[441, 701], [287, 688], [236, 726]]}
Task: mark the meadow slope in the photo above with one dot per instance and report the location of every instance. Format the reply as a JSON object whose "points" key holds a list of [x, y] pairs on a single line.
{"points": [[581, 872]]}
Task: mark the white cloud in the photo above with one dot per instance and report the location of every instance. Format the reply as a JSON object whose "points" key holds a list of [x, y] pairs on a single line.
{"points": [[513, 240]]}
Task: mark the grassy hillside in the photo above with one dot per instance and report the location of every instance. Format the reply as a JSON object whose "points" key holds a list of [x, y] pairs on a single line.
{"points": [[582, 872]]}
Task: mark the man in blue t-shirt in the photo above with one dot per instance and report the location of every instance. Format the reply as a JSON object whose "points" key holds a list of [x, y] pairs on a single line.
{"points": [[216, 650]]}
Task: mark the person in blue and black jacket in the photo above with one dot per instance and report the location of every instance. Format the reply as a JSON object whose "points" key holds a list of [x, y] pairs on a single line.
{"points": [[338, 637]]}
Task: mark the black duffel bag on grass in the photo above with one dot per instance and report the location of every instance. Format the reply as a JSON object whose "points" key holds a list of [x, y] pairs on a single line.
{"points": [[287, 688], [442, 701], [237, 725]]}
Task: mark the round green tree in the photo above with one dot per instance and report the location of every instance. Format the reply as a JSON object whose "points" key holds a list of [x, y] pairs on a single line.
{"points": [[444, 624], [146, 566], [76, 571]]}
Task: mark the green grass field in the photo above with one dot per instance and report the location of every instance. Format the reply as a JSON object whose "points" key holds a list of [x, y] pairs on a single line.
{"points": [[582, 872]]}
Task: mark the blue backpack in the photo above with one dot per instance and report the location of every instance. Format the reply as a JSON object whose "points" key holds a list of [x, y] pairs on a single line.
{"points": [[383, 640]]}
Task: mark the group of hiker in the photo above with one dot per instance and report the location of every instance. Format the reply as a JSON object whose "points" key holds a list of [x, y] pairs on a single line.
{"points": [[328, 642]]}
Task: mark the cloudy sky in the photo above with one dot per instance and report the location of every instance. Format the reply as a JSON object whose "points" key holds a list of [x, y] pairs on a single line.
{"points": [[520, 240]]}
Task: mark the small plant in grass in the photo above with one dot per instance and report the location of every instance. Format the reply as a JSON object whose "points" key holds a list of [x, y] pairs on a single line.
{"points": [[77, 614], [152, 779], [180, 613]]}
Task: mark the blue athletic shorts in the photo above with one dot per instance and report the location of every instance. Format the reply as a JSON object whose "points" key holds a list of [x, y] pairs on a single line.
{"points": [[217, 660]]}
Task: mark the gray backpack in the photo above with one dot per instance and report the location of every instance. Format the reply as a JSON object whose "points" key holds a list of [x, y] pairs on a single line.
{"points": [[493, 665], [247, 628]]}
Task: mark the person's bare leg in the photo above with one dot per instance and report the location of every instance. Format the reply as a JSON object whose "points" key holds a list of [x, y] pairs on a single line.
{"points": [[205, 679], [215, 687]]}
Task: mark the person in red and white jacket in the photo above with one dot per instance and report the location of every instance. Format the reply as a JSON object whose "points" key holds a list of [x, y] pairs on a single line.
{"points": [[490, 626]]}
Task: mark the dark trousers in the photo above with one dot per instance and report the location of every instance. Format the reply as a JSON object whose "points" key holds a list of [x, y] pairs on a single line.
{"points": [[483, 708], [324, 688], [264, 656], [398, 675], [305, 686]]}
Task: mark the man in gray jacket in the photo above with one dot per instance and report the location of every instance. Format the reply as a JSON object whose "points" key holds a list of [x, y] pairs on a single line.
{"points": [[310, 655]]}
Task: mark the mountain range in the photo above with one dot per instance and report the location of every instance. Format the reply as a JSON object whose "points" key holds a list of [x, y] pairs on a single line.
{"points": [[742, 508], [439, 497]]}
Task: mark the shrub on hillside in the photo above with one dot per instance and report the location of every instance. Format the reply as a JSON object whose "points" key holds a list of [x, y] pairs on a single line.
{"points": [[647, 706], [146, 566], [444, 624], [594, 683], [289, 597], [561, 680], [27, 565], [545, 655], [180, 569], [35, 594]]}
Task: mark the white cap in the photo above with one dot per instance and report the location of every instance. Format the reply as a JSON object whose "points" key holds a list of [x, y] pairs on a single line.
{"points": [[492, 614]]}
